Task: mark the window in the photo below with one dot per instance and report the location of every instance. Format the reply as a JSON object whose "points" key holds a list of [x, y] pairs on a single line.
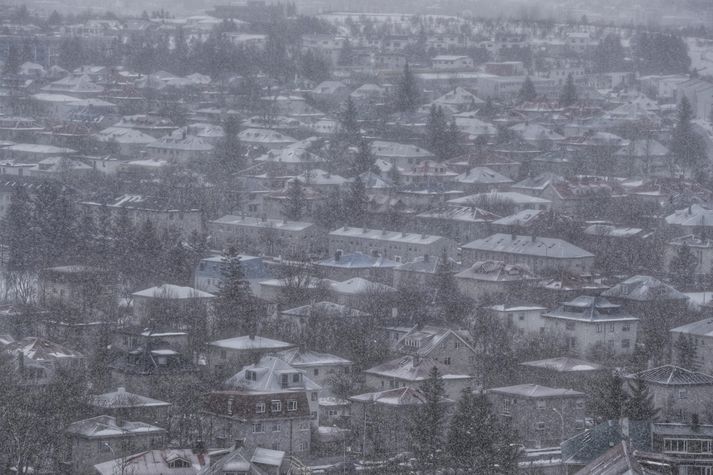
{"points": [[178, 463], [291, 405], [625, 343], [541, 404], [539, 426], [683, 394], [302, 446], [275, 446], [626, 327], [258, 428], [456, 344], [314, 396], [104, 447], [275, 406], [599, 327], [296, 378], [447, 360], [521, 317], [332, 412], [230, 406], [251, 375], [276, 427], [315, 372], [611, 327], [303, 426], [260, 407], [579, 404]]}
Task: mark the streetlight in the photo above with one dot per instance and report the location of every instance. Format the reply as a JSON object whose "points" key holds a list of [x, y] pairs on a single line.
{"points": [[562, 426]]}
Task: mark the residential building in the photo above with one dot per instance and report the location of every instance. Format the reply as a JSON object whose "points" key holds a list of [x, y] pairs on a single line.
{"points": [[413, 371], [343, 266], [494, 278], [130, 406], [266, 404], [525, 319], [208, 276], [563, 372], [677, 393], [266, 235], [594, 324], [150, 301], [39, 361], [103, 438], [540, 416], [539, 254], [440, 344], [700, 336], [451, 62], [398, 246], [379, 420], [232, 353], [701, 247], [150, 462], [321, 368]]}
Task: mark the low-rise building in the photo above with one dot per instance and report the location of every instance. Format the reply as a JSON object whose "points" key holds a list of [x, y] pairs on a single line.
{"points": [[594, 324], [541, 416], [525, 319], [399, 246], [699, 352], [539, 254], [38, 361], [494, 278], [233, 353]]}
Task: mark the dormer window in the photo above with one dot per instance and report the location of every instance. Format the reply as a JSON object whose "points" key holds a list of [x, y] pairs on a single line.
{"points": [[251, 375], [296, 378], [178, 463]]}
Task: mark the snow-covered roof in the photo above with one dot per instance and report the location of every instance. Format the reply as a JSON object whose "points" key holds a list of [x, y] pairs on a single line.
{"points": [[529, 246], [384, 235], [358, 286], [564, 364], [121, 398], [301, 358], [482, 175], [414, 369], [254, 222], [170, 291], [40, 349], [536, 391], [247, 343], [265, 377], [644, 288], [105, 427]]}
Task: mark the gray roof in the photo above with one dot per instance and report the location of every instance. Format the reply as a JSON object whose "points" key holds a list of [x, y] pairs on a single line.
{"points": [[700, 328], [644, 288], [536, 391], [588, 308], [529, 246], [564, 364], [670, 375]]}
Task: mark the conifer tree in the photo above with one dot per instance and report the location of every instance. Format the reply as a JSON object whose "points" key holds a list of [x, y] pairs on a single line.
{"points": [[527, 92], [408, 94], [349, 122], [437, 133], [640, 404], [686, 146], [488, 109], [295, 201], [685, 351], [147, 248], [568, 96], [356, 202], [428, 424], [229, 150], [364, 159], [609, 397], [683, 266], [476, 438], [235, 305], [18, 235]]}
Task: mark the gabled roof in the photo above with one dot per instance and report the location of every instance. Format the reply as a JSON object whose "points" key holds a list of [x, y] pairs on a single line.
{"points": [[694, 215], [529, 246], [406, 396], [413, 369], [426, 339], [482, 175], [328, 309], [497, 271], [539, 182], [619, 460], [670, 375], [267, 373], [591, 309], [156, 461], [39, 349], [644, 288]]}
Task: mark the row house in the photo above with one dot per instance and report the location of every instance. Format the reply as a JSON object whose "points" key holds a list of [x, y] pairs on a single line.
{"points": [[539, 254]]}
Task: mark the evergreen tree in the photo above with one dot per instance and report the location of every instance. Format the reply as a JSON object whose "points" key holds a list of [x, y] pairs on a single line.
{"points": [[476, 438], [122, 239], [488, 109], [355, 205], [683, 266], [229, 150], [686, 146], [147, 248], [609, 54], [527, 92], [453, 138], [346, 54], [640, 405], [447, 296], [349, 128], [428, 423], [685, 352], [608, 397], [12, 63], [55, 219], [568, 96], [235, 306], [364, 159], [437, 133], [179, 56], [17, 233], [295, 202], [408, 94]]}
